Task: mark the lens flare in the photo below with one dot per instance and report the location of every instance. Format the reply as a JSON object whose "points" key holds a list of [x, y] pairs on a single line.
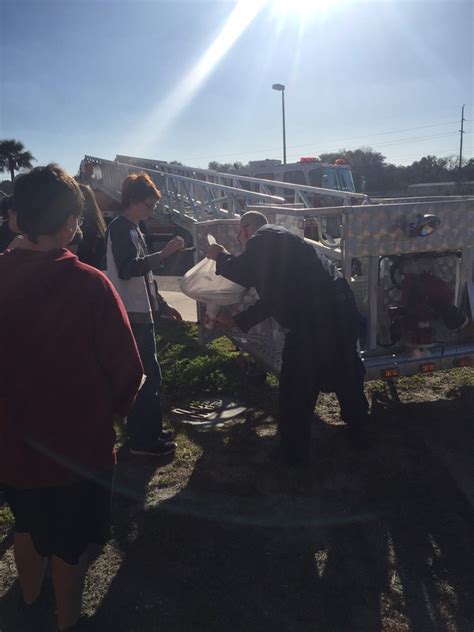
{"points": [[160, 119]]}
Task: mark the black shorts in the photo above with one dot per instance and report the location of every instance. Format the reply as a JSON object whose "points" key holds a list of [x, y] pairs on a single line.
{"points": [[63, 521]]}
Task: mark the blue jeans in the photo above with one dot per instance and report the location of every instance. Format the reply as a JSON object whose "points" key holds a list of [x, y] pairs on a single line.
{"points": [[145, 420]]}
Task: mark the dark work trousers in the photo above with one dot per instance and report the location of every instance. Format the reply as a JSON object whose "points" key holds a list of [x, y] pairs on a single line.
{"points": [[144, 421], [305, 370]]}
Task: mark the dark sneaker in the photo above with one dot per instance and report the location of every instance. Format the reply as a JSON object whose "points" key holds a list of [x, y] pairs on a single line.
{"points": [[160, 448], [166, 435]]}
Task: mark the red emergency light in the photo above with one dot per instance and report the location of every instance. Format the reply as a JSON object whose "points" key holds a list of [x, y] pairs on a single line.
{"points": [[427, 367], [308, 159], [460, 362], [339, 161], [388, 374]]}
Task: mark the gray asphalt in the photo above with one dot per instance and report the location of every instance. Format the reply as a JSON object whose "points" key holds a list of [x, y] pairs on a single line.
{"points": [[169, 289]]}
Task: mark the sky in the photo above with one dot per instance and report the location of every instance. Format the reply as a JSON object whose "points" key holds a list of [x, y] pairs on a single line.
{"points": [[191, 80]]}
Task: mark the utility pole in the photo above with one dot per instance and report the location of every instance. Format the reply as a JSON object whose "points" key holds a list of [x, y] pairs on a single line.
{"points": [[461, 131]]}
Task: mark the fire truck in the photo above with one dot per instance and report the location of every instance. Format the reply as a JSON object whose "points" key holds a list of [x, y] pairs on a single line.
{"points": [[410, 262], [307, 171], [410, 266]]}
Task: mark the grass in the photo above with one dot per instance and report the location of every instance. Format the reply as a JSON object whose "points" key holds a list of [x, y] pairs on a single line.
{"points": [[6, 517], [191, 372]]}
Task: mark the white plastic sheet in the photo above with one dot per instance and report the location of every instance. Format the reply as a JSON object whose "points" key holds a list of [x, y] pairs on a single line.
{"points": [[203, 284]]}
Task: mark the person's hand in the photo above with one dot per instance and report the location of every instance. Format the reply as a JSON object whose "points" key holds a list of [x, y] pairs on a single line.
{"points": [[172, 246], [223, 321], [214, 251], [175, 315]]}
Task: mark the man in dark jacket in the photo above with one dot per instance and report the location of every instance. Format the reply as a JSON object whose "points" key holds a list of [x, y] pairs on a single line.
{"points": [[304, 293]]}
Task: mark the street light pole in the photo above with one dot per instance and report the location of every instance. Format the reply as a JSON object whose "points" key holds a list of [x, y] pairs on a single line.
{"points": [[279, 87]]}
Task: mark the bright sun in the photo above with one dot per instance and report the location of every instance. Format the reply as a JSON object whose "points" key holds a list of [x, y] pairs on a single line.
{"points": [[301, 8]]}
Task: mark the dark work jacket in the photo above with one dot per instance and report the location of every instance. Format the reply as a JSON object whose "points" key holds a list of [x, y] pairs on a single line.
{"points": [[294, 283]]}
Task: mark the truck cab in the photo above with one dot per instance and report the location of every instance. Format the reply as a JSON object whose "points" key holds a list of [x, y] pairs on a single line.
{"points": [[308, 171]]}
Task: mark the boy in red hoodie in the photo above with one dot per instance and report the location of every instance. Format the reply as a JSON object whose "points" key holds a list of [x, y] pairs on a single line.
{"points": [[68, 365]]}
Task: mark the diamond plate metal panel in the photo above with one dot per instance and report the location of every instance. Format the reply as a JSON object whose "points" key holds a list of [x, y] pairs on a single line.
{"points": [[382, 229]]}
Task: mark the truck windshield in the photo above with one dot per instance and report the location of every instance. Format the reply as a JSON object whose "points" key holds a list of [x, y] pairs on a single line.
{"points": [[316, 177], [329, 178], [346, 183]]}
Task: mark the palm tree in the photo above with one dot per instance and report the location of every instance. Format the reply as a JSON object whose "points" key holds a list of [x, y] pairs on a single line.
{"points": [[13, 156]]}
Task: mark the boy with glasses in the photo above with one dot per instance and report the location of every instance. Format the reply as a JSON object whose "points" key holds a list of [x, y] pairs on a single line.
{"points": [[130, 267]]}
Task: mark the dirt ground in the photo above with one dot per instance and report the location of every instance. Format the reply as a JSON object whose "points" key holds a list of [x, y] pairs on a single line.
{"points": [[221, 538]]}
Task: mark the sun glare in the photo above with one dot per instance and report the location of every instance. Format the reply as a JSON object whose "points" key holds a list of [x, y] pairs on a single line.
{"points": [[161, 118], [169, 109], [300, 8]]}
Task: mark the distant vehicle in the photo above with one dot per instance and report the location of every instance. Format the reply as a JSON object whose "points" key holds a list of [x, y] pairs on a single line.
{"points": [[307, 171]]}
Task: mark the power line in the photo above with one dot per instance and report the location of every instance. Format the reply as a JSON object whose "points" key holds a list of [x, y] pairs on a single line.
{"points": [[388, 144], [295, 147], [408, 129], [416, 138], [261, 151], [413, 157], [379, 134]]}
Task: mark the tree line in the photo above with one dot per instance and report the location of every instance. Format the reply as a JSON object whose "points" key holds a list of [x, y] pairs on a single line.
{"points": [[382, 177], [369, 168]]}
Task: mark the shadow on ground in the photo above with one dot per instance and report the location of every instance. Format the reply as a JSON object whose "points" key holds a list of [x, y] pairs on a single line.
{"points": [[380, 540], [369, 541]]}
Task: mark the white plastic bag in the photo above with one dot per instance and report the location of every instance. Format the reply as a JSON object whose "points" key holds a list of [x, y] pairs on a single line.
{"points": [[203, 284]]}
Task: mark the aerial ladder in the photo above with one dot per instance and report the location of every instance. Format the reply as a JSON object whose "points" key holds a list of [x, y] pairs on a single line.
{"points": [[191, 195]]}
